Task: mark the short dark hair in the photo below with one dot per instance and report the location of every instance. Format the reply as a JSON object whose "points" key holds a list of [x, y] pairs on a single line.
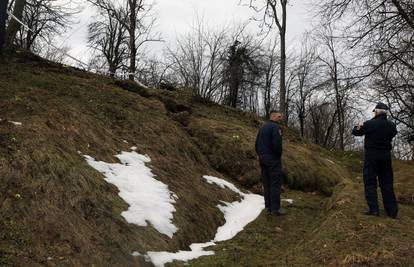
{"points": [[274, 111]]}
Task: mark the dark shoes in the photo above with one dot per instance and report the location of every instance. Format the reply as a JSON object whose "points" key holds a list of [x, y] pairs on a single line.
{"points": [[280, 212], [376, 213], [371, 213], [393, 216]]}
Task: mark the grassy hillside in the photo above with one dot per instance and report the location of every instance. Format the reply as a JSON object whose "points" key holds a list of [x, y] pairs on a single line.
{"points": [[54, 205], [321, 231]]}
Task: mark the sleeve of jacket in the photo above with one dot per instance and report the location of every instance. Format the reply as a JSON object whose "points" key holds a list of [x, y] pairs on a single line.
{"points": [[277, 140], [361, 131]]}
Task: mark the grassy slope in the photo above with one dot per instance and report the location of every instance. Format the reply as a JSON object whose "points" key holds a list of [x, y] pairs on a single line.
{"points": [[321, 231], [54, 205]]}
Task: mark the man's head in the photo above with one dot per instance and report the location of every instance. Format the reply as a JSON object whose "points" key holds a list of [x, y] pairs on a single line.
{"points": [[380, 108], [276, 116]]}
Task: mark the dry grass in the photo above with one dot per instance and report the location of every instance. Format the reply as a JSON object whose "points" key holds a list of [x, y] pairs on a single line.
{"points": [[52, 204]]}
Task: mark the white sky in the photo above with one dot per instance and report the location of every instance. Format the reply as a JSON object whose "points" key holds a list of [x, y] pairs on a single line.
{"points": [[175, 17]]}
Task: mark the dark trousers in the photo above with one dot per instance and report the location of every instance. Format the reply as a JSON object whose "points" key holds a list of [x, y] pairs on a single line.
{"points": [[272, 181], [381, 169]]}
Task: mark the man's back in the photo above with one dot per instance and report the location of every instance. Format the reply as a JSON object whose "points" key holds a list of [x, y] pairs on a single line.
{"points": [[269, 140], [379, 133]]}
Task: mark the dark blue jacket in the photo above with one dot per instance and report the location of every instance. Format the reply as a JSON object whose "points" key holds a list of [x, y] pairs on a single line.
{"points": [[379, 133], [269, 141]]}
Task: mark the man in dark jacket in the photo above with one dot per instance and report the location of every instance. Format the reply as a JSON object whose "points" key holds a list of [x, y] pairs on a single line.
{"points": [[269, 150], [379, 133]]}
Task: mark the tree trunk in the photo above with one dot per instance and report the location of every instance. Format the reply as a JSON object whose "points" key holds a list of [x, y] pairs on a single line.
{"points": [[282, 81], [112, 70], [14, 26], [302, 120], [3, 18], [132, 43], [282, 32], [339, 107]]}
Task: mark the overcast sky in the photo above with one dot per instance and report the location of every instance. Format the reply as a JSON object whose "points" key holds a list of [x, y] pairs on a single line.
{"points": [[175, 17]]}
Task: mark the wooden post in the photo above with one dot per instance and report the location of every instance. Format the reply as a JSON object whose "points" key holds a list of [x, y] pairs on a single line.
{"points": [[3, 18]]}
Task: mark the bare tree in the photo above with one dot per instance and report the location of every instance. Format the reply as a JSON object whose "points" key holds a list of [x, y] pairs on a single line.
{"points": [[270, 67], [14, 26], [306, 81], [337, 74], [46, 19], [197, 61], [3, 19], [108, 37], [275, 13], [136, 17], [381, 33]]}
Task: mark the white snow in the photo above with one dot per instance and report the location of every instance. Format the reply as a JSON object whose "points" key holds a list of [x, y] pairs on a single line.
{"points": [[135, 254], [16, 123], [149, 200], [237, 215], [161, 258], [222, 183], [287, 200]]}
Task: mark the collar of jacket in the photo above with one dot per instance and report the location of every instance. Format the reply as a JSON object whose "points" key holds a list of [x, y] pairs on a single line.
{"points": [[381, 116]]}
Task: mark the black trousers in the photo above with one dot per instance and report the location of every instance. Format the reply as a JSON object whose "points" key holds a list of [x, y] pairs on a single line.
{"points": [[381, 169], [272, 178]]}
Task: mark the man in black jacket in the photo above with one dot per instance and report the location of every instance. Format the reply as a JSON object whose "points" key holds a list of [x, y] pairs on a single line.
{"points": [[269, 150], [379, 133]]}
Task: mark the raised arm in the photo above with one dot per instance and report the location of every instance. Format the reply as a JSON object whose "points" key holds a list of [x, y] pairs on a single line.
{"points": [[359, 130]]}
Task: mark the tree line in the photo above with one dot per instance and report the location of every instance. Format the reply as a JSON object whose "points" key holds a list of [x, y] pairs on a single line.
{"points": [[359, 52]]}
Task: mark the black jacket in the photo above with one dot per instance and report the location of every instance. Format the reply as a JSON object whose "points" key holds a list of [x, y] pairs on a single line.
{"points": [[269, 141], [379, 133]]}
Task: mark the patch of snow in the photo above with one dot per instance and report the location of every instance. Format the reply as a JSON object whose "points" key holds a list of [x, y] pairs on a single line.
{"points": [[290, 201], [16, 123], [222, 183], [125, 141], [237, 214], [159, 259], [134, 148], [150, 200], [136, 254]]}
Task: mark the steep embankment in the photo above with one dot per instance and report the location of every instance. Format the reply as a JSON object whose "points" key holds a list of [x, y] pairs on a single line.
{"points": [[57, 210], [53, 204]]}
